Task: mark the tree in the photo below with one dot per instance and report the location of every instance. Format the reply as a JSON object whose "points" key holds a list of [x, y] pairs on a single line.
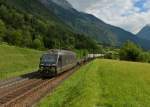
{"points": [[130, 52], [2, 30], [38, 43], [14, 37], [26, 39], [18, 19], [5, 14]]}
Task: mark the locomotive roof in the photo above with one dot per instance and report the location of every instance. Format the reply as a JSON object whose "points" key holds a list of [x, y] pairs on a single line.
{"points": [[58, 51]]}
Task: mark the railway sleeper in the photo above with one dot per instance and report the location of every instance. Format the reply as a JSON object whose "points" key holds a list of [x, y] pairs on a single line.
{"points": [[16, 93]]}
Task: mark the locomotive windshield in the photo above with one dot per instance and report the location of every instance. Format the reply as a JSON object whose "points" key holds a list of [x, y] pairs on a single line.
{"points": [[49, 59]]}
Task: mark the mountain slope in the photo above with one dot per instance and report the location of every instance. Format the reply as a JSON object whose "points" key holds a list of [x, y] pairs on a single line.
{"points": [[28, 23], [89, 24], [35, 8], [145, 33]]}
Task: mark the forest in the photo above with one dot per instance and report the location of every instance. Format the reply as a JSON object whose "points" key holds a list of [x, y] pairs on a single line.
{"points": [[27, 30]]}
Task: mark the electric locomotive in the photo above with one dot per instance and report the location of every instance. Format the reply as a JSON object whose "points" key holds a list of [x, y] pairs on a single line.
{"points": [[54, 62]]}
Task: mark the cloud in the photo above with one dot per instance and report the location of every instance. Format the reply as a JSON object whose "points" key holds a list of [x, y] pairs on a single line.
{"points": [[131, 15]]}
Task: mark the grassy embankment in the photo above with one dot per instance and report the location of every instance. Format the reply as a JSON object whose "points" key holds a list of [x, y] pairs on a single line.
{"points": [[15, 61], [104, 83]]}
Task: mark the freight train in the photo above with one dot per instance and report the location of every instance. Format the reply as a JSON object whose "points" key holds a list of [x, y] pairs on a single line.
{"points": [[56, 61]]}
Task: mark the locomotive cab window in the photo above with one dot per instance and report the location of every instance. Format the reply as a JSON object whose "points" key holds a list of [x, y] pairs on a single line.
{"points": [[49, 59]]}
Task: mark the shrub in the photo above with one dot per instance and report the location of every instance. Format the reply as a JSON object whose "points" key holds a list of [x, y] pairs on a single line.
{"points": [[130, 52], [144, 57]]}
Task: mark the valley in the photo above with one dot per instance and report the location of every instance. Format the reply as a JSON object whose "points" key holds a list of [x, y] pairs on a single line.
{"points": [[54, 53]]}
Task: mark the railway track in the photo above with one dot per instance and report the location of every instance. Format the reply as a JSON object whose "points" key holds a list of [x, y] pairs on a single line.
{"points": [[25, 92], [13, 81], [7, 83]]}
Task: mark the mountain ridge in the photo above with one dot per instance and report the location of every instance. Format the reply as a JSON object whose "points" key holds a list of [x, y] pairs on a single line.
{"points": [[63, 3], [144, 33]]}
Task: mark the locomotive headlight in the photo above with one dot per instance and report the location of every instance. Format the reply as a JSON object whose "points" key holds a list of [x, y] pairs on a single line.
{"points": [[53, 64], [41, 67]]}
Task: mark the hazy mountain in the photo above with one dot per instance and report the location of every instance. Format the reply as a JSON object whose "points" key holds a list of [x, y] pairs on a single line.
{"points": [[144, 33]]}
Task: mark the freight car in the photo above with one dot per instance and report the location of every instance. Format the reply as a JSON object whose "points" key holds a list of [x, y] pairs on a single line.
{"points": [[90, 56], [54, 62]]}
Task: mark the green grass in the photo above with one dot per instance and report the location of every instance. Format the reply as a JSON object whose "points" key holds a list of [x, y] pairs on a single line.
{"points": [[15, 61], [104, 83]]}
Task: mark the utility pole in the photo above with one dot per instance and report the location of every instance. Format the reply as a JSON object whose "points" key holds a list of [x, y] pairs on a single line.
{"points": [[60, 45]]}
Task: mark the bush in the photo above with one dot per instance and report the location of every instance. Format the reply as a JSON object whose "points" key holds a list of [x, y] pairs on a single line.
{"points": [[144, 57], [130, 52], [112, 55]]}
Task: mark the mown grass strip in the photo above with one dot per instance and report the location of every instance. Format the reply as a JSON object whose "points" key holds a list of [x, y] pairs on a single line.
{"points": [[104, 83]]}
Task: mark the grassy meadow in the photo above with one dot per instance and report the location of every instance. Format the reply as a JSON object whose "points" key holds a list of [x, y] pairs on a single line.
{"points": [[104, 83], [15, 61]]}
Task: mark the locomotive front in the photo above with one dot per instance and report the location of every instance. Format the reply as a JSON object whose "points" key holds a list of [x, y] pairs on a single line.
{"points": [[48, 64]]}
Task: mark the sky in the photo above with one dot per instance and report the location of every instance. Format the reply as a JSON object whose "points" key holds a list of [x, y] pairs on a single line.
{"points": [[131, 15]]}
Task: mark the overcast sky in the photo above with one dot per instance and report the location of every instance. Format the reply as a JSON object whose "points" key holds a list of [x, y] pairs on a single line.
{"points": [[131, 15]]}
